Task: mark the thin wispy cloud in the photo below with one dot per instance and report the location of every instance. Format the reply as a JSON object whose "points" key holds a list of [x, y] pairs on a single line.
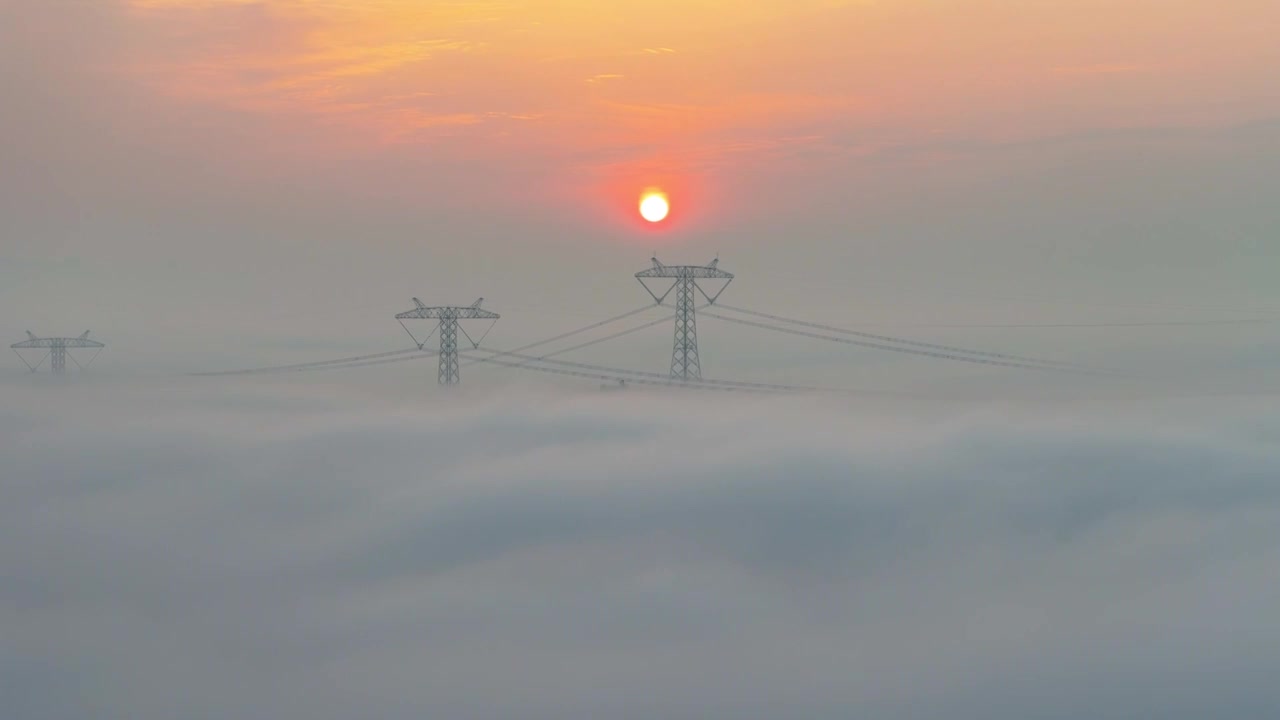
{"points": [[344, 65]]}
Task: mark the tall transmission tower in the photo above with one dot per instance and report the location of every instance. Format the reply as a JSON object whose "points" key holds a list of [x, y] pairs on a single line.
{"points": [[448, 327], [685, 364], [57, 348]]}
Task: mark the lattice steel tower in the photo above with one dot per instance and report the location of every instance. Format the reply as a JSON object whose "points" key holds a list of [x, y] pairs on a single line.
{"points": [[57, 348], [685, 364], [448, 327]]}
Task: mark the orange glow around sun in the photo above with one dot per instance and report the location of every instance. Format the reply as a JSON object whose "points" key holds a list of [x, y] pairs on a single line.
{"points": [[653, 206]]}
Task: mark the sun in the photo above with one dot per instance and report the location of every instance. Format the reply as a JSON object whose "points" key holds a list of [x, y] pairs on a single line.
{"points": [[653, 206]]}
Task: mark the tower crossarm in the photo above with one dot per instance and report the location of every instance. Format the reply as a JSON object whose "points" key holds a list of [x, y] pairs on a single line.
{"points": [[685, 275], [422, 311], [79, 342], [450, 313], [697, 272], [59, 350]]}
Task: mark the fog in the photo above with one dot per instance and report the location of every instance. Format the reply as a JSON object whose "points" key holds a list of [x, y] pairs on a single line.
{"points": [[209, 185], [298, 549]]}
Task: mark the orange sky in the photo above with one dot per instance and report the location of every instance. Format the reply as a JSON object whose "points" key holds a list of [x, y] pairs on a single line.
{"points": [[619, 95], [331, 152]]}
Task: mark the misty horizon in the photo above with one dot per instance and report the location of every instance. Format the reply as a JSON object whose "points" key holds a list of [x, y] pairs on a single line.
{"points": [[982, 425]]}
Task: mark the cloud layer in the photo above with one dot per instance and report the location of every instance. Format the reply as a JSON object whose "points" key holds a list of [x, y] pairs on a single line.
{"points": [[225, 553]]}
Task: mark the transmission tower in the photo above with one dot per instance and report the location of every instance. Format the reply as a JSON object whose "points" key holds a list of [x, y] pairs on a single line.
{"points": [[684, 354], [448, 327], [57, 348]]}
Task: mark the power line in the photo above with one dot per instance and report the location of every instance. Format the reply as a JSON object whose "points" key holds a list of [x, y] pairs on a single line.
{"points": [[317, 365], [623, 375], [951, 349], [1004, 298], [589, 343], [530, 360], [422, 355], [898, 349], [417, 353], [585, 328]]}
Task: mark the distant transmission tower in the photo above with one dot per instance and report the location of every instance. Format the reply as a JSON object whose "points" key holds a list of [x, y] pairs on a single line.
{"points": [[684, 355], [448, 327], [57, 348]]}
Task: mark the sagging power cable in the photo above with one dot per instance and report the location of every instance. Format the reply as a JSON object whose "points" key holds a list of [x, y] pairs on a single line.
{"points": [[623, 375], [589, 343], [585, 328], [317, 365], [529, 360], [901, 349], [414, 353], [951, 349]]}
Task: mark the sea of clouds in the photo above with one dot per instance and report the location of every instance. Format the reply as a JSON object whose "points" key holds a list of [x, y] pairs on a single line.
{"points": [[230, 549]]}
